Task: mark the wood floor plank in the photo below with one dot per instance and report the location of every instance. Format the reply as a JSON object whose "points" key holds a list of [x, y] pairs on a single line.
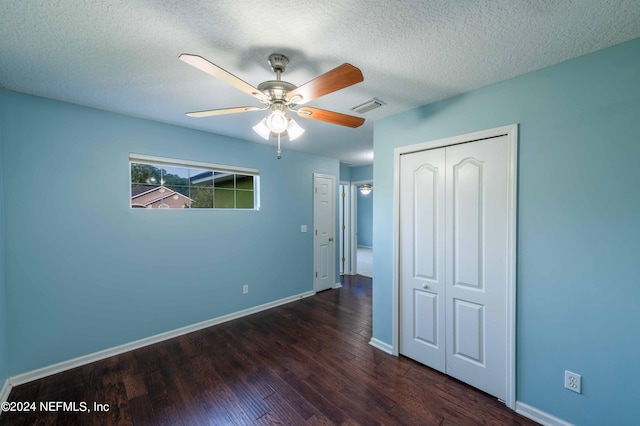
{"points": [[160, 395], [305, 363], [204, 382], [142, 413], [309, 392], [283, 411]]}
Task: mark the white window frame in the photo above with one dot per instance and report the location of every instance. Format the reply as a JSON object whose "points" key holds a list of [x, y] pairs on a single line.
{"points": [[172, 162]]}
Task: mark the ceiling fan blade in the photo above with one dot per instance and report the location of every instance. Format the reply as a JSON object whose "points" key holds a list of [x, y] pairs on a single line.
{"points": [[212, 112], [338, 78], [203, 65], [330, 117]]}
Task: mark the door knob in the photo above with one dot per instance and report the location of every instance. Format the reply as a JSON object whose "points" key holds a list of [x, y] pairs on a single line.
{"points": [[330, 239], [425, 286]]}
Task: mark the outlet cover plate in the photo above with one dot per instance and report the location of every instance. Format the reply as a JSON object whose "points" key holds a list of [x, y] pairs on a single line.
{"points": [[572, 381]]}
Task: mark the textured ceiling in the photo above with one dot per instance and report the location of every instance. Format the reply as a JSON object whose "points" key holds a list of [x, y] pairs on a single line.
{"points": [[122, 55]]}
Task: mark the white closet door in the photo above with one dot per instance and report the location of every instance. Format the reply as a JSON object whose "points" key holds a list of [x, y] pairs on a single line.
{"points": [[477, 251], [454, 261], [422, 267]]}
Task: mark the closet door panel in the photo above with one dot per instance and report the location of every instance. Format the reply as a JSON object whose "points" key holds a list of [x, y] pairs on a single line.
{"points": [[422, 206], [476, 256]]}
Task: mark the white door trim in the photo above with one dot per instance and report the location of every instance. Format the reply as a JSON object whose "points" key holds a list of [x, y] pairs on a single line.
{"points": [[354, 222], [343, 228], [349, 221], [353, 234], [511, 132]]}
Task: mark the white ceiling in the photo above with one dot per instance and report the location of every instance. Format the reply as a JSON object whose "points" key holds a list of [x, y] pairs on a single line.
{"points": [[122, 55]]}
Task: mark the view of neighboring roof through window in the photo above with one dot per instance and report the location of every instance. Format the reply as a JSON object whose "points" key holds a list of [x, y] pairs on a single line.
{"points": [[178, 184]]}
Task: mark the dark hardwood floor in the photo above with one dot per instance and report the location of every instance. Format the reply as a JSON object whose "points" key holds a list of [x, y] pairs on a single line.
{"points": [[307, 362]]}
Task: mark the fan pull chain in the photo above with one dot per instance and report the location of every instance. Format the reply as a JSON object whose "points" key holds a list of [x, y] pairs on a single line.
{"points": [[279, 150]]}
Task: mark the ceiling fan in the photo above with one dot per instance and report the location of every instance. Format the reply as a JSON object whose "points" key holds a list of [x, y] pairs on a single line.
{"points": [[280, 96]]}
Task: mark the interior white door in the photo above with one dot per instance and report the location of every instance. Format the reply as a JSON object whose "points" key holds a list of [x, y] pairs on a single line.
{"points": [[324, 229], [422, 260], [477, 253], [454, 261]]}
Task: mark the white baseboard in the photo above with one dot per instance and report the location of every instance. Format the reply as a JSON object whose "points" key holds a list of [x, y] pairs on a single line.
{"points": [[337, 285], [539, 416], [379, 344], [4, 393], [97, 356]]}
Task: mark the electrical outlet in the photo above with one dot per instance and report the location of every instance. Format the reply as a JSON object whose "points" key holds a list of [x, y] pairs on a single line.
{"points": [[572, 381], [245, 289]]}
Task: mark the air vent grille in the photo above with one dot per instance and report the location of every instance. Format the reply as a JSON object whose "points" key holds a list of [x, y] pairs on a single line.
{"points": [[368, 106]]}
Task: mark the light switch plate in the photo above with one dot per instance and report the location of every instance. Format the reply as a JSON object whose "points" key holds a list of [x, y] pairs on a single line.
{"points": [[303, 228]]}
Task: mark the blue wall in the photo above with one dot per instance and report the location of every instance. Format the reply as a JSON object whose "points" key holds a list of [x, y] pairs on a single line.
{"points": [[362, 173], [4, 339], [578, 225], [345, 173], [365, 220], [84, 272]]}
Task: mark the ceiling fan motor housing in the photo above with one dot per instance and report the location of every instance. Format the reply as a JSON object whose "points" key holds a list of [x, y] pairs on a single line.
{"points": [[276, 89], [278, 62]]}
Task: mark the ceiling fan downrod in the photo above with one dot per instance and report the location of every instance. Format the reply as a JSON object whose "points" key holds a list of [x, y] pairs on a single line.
{"points": [[278, 64], [277, 89]]}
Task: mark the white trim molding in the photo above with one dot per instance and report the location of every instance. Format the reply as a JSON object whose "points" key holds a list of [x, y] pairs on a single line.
{"points": [[97, 356], [539, 415], [153, 159], [511, 132], [4, 392], [379, 344], [337, 285]]}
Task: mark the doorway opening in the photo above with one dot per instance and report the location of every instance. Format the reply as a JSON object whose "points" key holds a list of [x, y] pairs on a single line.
{"points": [[356, 229]]}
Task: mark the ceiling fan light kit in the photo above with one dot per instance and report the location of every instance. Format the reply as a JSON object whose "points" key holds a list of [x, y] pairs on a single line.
{"points": [[262, 129], [277, 121], [294, 130], [365, 189], [281, 96]]}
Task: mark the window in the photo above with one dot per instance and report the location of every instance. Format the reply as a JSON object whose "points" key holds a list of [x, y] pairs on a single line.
{"points": [[164, 183]]}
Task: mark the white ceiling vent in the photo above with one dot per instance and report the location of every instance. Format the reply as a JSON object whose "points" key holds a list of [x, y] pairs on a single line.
{"points": [[368, 106]]}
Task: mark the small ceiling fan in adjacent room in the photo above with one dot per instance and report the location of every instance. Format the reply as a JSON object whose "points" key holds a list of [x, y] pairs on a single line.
{"points": [[281, 97]]}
